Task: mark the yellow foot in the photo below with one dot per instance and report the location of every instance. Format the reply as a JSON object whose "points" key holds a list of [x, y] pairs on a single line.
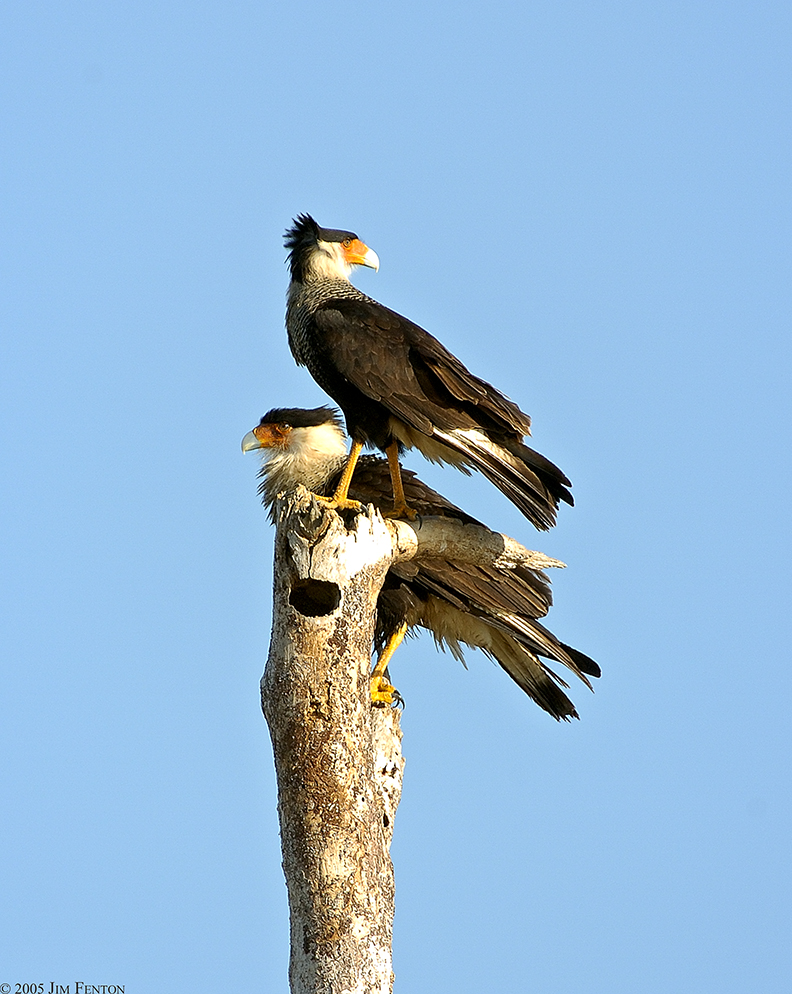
{"points": [[383, 693], [401, 511], [345, 504]]}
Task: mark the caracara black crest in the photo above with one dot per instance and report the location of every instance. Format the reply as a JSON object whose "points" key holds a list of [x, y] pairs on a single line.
{"points": [[300, 417], [461, 604], [398, 386], [302, 237]]}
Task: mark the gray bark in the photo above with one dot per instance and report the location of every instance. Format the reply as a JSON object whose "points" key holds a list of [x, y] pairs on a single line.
{"points": [[338, 758]]}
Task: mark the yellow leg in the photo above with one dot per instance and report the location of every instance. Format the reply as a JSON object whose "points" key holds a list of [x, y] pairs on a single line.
{"points": [[340, 495], [381, 691], [400, 508], [340, 500]]}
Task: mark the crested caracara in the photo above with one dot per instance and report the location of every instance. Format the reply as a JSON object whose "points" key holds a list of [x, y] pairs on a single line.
{"points": [[398, 386], [483, 607]]}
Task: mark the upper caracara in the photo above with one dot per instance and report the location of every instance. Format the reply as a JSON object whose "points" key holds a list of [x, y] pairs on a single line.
{"points": [[398, 386], [480, 606]]}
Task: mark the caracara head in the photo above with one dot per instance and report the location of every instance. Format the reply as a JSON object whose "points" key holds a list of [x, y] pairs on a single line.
{"points": [[316, 251], [285, 427], [298, 446]]}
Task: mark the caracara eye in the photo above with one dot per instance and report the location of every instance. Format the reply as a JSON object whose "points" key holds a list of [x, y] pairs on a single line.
{"points": [[346, 242]]}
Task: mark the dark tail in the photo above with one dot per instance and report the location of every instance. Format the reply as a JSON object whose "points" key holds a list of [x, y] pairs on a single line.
{"points": [[531, 482]]}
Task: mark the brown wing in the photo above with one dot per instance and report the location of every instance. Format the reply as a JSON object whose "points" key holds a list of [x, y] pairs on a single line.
{"points": [[398, 364], [383, 366]]}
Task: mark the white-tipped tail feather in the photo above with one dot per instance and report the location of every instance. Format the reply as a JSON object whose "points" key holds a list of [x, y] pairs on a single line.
{"points": [[511, 473]]}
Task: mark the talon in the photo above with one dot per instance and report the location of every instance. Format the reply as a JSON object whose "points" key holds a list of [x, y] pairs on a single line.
{"points": [[401, 511], [383, 693], [342, 504]]}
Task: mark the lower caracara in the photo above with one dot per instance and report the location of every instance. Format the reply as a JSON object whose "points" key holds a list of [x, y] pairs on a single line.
{"points": [[487, 608]]}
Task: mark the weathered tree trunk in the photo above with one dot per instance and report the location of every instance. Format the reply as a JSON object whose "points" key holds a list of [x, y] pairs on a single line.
{"points": [[338, 759]]}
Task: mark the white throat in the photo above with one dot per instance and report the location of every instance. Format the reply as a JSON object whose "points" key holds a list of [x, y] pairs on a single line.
{"points": [[328, 261], [313, 456]]}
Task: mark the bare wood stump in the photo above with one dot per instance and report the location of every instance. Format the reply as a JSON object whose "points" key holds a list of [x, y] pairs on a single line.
{"points": [[338, 759]]}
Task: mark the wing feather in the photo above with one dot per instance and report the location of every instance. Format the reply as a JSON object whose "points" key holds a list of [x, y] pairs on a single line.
{"points": [[396, 362]]}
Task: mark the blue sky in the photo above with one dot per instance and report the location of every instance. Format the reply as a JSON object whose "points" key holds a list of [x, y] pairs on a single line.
{"points": [[589, 204]]}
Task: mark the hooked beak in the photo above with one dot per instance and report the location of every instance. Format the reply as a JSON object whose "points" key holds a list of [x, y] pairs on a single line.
{"points": [[359, 254], [250, 442], [266, 437]]}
